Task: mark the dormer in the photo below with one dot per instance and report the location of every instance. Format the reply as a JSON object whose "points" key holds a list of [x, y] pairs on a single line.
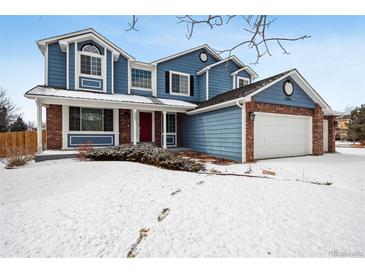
{"points": [[83, 60]]}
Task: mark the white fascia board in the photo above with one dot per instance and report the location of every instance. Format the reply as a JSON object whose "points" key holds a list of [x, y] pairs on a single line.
{"points": [[309, 90], [81, 102], [332, 112], [216, 106], [142, 65], [233, 58], [83, 33], [238, 63], [296, 77], [205, 46], [248, 69]]}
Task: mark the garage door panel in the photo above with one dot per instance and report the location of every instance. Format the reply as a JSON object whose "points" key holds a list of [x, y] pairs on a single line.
{"points": [[278, 135]]}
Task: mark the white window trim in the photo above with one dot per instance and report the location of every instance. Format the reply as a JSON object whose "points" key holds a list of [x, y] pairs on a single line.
{"points": [[78, 73], [170, 133], [91, 55], [66, 130], [146, 67], [242, 78], [139, 88], [90, 131], [170, 87], [91, 80]]}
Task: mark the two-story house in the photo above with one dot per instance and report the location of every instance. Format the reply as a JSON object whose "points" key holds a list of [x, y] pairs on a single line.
{"points": [[95, 92]]}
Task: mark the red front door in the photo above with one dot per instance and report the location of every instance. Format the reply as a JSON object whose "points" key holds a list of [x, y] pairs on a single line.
{"points": [[145, 127]]}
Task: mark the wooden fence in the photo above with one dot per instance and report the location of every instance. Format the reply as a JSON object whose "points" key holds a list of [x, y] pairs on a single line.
{"points": [[20, 140]]}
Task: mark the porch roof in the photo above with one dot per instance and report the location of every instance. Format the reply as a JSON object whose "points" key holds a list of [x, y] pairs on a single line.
{"points": [[50, 95]]}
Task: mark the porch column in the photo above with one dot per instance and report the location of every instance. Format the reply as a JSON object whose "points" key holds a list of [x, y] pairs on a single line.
{"points": [[39, 126], [134, 126], [164, 129]]}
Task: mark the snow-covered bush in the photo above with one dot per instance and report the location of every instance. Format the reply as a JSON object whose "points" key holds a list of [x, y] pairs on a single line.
{"points": [[18, 157], [146, 154]]}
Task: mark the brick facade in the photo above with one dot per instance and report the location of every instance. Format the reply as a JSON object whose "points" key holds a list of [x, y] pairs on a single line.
{"points": [[317, 117], [54, 126], [317, 132], [125, 122], [331, 133]]}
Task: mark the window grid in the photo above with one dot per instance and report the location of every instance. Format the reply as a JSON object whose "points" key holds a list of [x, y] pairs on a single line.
{"points": [[242, 82], [179, 83], [90, 119], [170, 123], [141, 78], [90, 65]]}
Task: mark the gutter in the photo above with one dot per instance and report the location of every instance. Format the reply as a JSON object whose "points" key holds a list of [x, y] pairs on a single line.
{"points": [[243, 128]]}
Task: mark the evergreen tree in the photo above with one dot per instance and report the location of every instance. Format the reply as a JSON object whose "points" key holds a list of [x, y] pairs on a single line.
{"points": [[357, 124], [18, 125]]}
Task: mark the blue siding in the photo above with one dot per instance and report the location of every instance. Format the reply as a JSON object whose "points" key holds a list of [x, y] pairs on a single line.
{"points": [[71, 66], [220, 79], [56, 66], [81, 44], [217, 132], [141, 92], [91, 83], [121, 75], [109, 67], [202, 86], [276, 95], [188, 63], [74, 140], [244, 73]]}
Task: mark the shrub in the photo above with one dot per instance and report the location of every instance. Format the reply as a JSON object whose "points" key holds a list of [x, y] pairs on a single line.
{"points": [[18, 157], [83, 149], [146, 154]]}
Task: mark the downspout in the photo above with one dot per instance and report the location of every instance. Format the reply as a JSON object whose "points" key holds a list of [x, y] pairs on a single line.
{"points": [[243, 128]]}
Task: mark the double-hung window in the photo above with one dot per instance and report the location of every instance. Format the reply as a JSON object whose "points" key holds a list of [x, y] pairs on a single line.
{"points": [[242, 81], [90, 119], [90, 62], [141, 79], [179, 83]]}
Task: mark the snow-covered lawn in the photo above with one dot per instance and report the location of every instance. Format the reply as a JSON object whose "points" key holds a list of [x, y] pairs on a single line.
{"points": [[69, 208]]}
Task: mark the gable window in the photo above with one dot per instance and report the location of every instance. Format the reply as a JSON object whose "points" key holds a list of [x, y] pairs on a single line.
{"points": [[179, 83], [90, 61], [90, 119], [141, 79], [242, 81]]}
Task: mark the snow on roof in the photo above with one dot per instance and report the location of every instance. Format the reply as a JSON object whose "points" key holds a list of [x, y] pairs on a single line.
{"points": [[44, 91]]}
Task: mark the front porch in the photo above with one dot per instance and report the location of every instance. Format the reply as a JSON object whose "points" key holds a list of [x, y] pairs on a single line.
{"points": [[106, 120]]}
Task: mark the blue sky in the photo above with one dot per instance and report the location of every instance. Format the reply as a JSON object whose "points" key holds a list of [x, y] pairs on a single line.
{"points": [[332, 60]]}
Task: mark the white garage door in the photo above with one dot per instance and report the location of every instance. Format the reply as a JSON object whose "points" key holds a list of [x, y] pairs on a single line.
{"points": [[278, 135]]}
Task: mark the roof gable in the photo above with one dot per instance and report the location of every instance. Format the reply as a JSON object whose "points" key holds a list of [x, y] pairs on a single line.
{"points": [[233, 58], [176, 55], [232, 96], [83, 35]]}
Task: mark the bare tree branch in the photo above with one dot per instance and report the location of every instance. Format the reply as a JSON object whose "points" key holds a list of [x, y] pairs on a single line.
{"points": [[132, 24], [256, 26]]}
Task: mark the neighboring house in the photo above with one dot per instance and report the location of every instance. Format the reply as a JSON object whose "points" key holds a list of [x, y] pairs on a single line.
{"points": [[96, 92], [342, 126]]}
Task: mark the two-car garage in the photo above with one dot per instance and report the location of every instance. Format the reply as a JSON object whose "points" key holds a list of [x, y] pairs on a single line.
{"points": [[281, 135]]}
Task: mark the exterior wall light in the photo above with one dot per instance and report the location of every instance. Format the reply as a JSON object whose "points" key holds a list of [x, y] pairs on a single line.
{"points": [[252, 116]]}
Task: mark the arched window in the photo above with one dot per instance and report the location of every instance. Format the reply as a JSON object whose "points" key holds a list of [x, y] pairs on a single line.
{"points": [[90, 48], [89, 63]]}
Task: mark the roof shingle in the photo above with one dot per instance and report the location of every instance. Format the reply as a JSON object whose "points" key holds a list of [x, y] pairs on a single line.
{"points": [[242, 91]]}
